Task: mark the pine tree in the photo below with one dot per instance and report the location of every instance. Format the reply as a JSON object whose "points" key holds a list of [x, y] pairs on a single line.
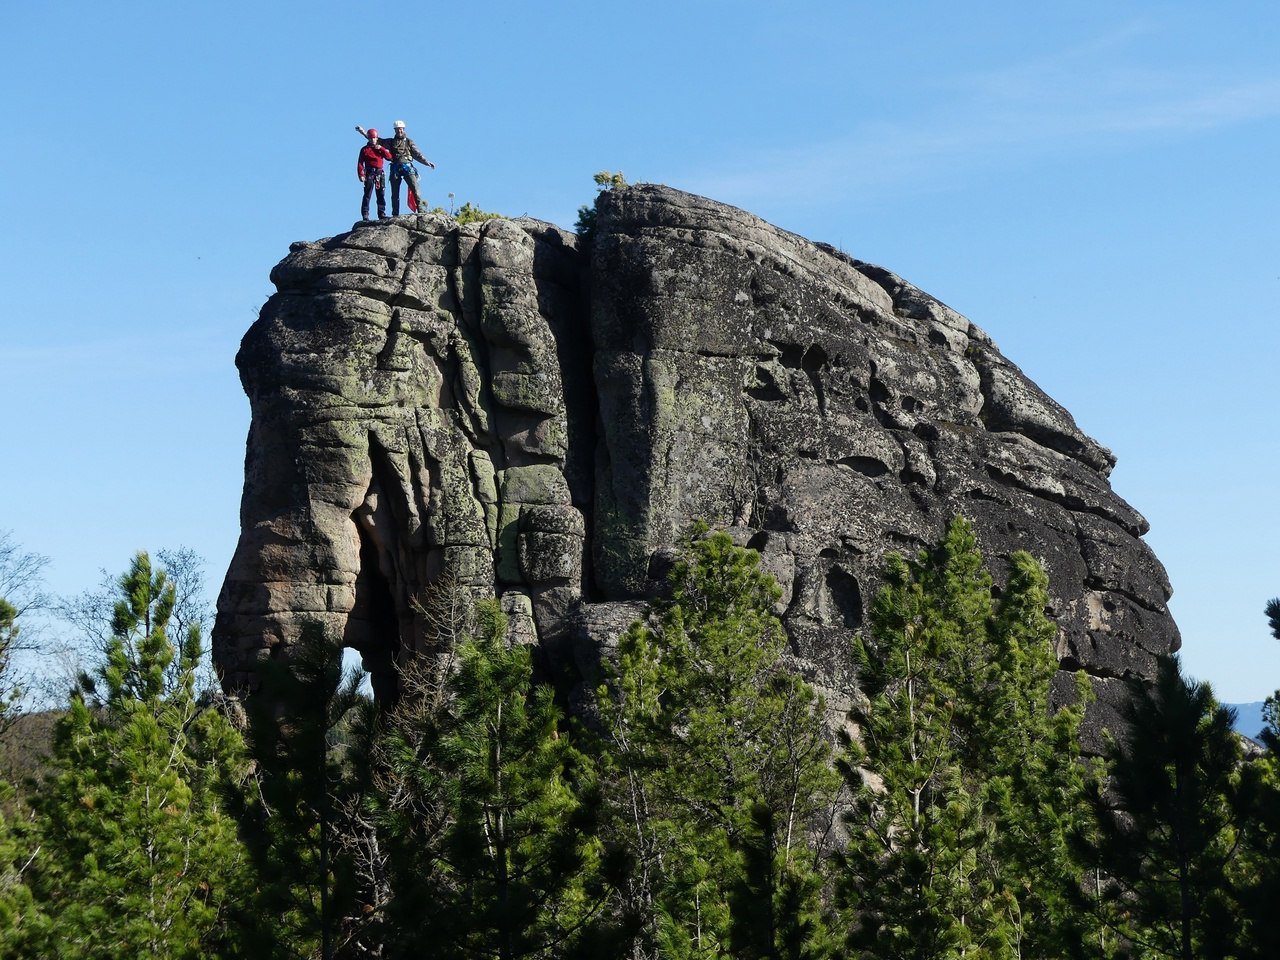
{"points": [[1034, 785], [718, 766], [23, 922], [518, 843], [1258, 805], [134, 853], [502, 801], [776, 907], [1165, 834], [907, 880], [1257, 875], [967, 784], [409, 802], [309, 725]]}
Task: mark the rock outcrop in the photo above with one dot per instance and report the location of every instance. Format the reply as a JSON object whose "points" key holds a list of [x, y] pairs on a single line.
{"points": [[542, 418]]}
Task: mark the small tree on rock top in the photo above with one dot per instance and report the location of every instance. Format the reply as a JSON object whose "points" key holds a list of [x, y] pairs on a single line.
{"points": [[605, 180]]}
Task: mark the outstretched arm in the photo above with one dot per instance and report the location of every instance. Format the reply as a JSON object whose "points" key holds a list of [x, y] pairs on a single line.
{"points": [[417, 155], [361, 130]]}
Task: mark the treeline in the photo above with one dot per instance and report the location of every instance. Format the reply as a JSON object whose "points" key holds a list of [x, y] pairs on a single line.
{"points": [[697, 807]]}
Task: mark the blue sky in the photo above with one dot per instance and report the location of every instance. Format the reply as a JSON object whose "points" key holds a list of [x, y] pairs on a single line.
{"points": [[1093, 183]]}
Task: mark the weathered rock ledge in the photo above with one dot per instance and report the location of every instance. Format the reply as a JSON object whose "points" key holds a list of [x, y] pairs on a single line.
{"points": [[541, 419]]}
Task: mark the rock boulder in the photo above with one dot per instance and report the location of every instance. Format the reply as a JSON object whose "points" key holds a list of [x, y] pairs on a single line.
{"points": [[540, 418]]}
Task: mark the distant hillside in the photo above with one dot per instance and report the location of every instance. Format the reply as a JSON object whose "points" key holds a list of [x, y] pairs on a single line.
{"points": [[1248, 718], [25, 746]]}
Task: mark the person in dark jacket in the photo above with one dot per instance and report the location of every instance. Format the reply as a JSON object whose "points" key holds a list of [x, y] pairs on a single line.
{"points": [[403, 152], [369, 169]]}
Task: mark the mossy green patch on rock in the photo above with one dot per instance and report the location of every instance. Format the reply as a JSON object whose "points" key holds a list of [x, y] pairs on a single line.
{"points": [[534, 391], [549, 557], [507, 563], [541, 483]]}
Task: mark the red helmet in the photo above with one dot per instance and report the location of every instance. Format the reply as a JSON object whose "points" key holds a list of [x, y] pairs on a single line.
{"points": [[372, 133]]}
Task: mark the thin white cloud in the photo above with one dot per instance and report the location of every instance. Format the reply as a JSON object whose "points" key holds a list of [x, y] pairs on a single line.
{"points": [[1198, 111], [1084, 98], [116, 354]]}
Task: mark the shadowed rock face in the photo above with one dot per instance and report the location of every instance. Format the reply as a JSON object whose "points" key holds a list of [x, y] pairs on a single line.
{"points": [[498, 403]]}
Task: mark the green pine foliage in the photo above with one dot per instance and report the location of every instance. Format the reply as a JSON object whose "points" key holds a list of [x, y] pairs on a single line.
{"points": [[909, 876], [467, 213], [585, 226], [776, 902], [487, 810], [519, 844], [129, 851], [1034, 784], [717, 766], [23, 922], [299, 811], [966, 783], [409, 802], [462, 819], [1165, 831], [1257, 875]]}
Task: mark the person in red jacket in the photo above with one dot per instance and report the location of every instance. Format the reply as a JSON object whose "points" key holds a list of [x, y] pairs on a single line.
{"points": [[369, 169]]}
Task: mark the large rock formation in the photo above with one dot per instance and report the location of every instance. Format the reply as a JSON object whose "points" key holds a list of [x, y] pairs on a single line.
{"points": [[542, 418]]}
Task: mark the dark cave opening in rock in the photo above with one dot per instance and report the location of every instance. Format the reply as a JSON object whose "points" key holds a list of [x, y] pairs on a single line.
{"points": [[846, 595], [373, 628]]}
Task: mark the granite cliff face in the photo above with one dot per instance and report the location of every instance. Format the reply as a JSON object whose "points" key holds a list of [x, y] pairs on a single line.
{"points": [[541, 418]]}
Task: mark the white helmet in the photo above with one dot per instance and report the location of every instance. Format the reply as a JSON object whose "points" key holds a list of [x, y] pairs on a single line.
{"points": [[399, 125]]}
